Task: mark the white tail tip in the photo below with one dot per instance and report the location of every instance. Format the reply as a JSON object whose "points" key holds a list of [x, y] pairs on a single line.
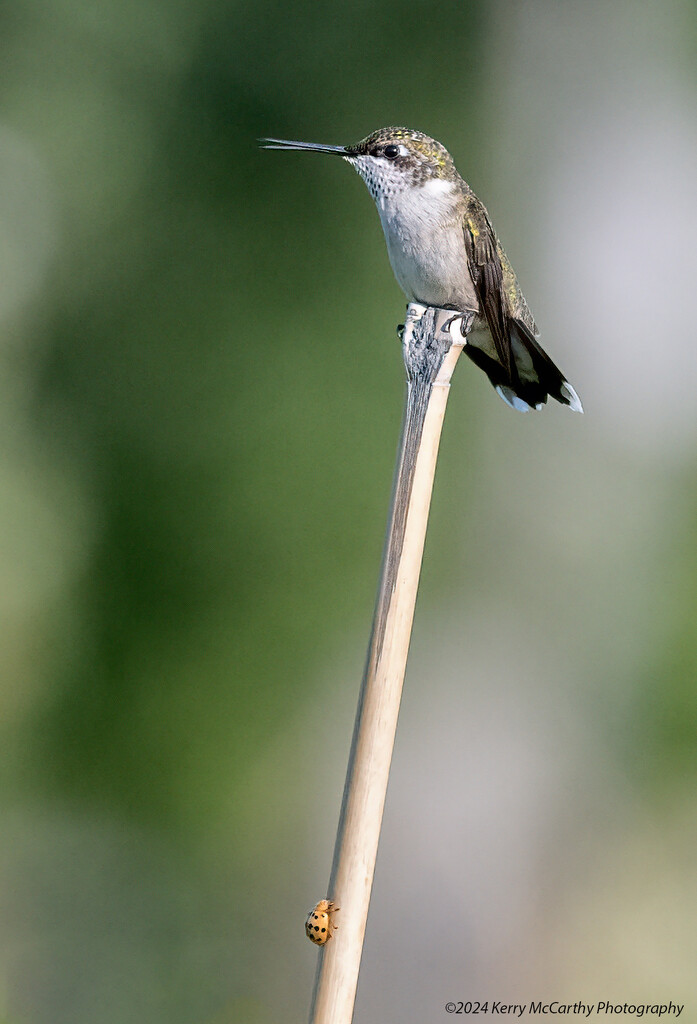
{"points": [[573, 399], [511, 399]]}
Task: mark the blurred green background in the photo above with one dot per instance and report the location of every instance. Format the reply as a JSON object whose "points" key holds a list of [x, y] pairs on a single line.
{"points": [[200, 398]]}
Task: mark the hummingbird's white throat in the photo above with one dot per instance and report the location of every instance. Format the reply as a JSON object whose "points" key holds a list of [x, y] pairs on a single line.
{"points": [[383, 177]]}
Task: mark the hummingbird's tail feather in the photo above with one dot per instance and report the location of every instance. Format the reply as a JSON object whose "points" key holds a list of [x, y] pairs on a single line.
{"points": [[533, 377]]}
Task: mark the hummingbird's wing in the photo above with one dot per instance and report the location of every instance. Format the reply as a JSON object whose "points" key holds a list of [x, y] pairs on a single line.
{"points": [[522, 372], [487, 275], [516, 306]]}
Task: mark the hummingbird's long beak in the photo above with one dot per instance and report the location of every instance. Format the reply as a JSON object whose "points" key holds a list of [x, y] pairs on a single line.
{"points": [[312, 147]]}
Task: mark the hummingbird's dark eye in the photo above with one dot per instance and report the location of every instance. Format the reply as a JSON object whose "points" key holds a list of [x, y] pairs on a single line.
{"points": [[391, 152]]}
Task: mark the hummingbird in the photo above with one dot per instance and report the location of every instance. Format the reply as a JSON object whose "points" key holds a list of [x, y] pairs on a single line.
{"points": [[445, 253]]}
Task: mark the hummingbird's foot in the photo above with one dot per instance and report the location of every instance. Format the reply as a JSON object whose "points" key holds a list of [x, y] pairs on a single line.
{"points": [[415, 310], [465, 322], [466, 319]]}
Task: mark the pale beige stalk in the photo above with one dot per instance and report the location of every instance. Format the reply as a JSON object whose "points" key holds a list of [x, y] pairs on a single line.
{"points": [[430, 356]]}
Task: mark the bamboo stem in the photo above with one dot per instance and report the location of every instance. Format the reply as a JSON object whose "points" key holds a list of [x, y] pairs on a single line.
{"points": [[430, 354]]}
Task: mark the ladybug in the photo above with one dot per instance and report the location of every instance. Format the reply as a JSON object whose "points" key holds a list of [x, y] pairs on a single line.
{"points": [[319, 925]]}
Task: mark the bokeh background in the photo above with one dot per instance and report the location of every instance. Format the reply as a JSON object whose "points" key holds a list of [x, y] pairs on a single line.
{"points": [[200, 399]]}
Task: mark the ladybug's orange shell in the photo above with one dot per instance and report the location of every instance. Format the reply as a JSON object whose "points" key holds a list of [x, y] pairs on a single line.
{"points": [[318, 926]]}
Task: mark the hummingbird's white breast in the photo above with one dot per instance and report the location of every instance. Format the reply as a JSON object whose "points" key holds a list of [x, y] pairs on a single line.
{"points": [[424, 232]]}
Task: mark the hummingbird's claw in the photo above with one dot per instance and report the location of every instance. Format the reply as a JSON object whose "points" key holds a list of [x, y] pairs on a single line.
{"points": [[464, 323]]}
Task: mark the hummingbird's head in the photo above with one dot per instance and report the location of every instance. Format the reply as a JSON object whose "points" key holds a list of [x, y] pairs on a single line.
{"points": [[393, 159], [389, 160]]}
